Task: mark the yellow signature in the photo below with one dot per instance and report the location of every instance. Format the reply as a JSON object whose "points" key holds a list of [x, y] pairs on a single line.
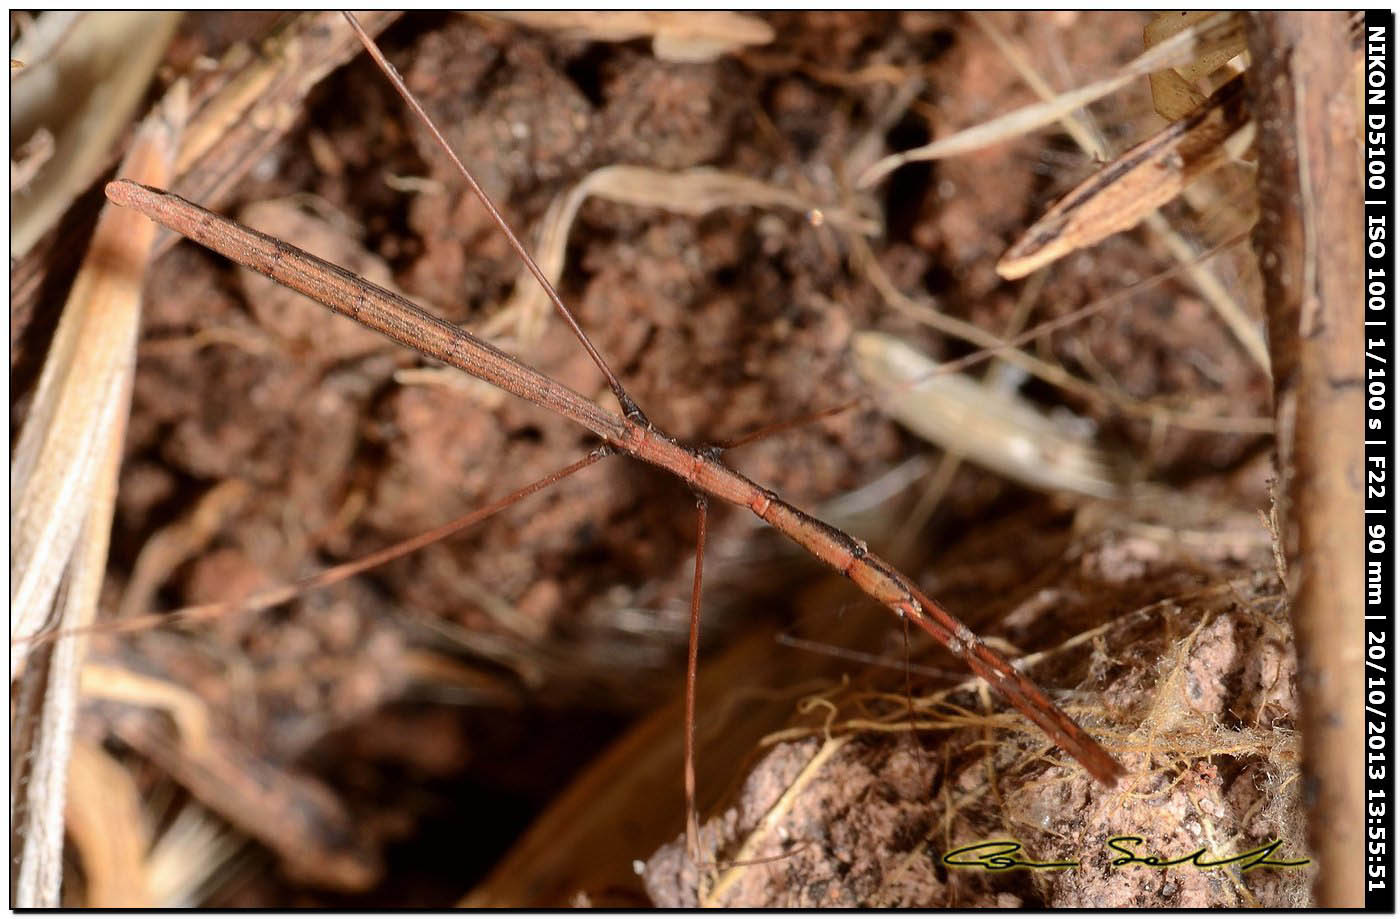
{"points": [[1004, 855]]}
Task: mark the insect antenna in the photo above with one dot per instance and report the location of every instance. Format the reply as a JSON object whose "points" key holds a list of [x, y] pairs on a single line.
{"points": [[629, 406], [692, 819], [277, 595]]}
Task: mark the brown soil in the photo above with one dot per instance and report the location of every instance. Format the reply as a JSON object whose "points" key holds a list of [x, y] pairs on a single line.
{"points": [[445, 698], [1197, 692]]}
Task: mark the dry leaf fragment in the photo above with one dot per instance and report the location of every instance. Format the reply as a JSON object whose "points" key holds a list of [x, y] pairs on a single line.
{"points": [[1189, 44], [697, 35], [1173, 93], [996, 430], [1079, 127], [1143, 179]]}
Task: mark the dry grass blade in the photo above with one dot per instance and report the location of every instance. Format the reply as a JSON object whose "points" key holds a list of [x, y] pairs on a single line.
{"points": [[49, 687], [1188, 44], [996, 430], [680, 36], [1121, 194], [78, 398], [63, 491], [248, 105], [690, 192]]}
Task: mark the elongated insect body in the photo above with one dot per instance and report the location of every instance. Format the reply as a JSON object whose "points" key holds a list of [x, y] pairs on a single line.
{"points": [[407, 324]]}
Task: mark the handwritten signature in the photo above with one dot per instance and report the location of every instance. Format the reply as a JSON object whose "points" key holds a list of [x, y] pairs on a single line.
{"points": [[1003, 855]]}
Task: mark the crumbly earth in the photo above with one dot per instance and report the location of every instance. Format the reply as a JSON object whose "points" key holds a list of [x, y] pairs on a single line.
{"points": [[468, 681], [1197, 697]]}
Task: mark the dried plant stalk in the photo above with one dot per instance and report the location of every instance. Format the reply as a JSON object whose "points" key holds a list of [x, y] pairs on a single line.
{"points": [[89, 366], [63, 485], [1303, 89]]}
